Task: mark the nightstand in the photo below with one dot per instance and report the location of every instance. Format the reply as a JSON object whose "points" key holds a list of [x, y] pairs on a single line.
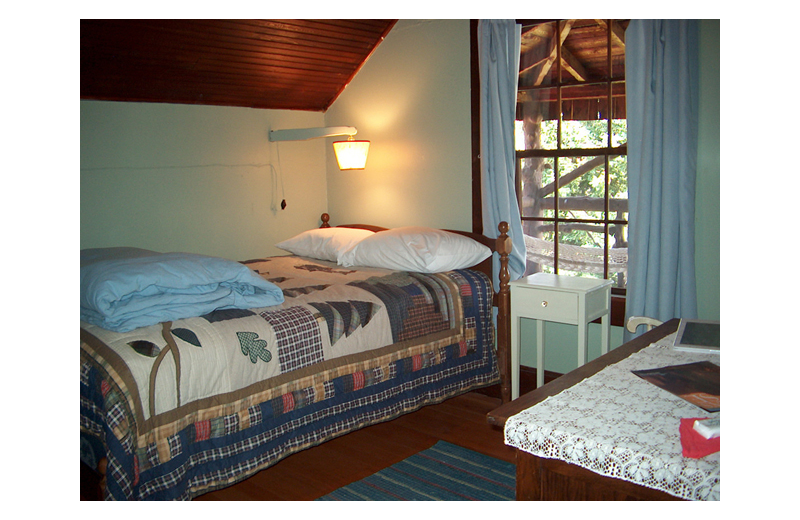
{"points": [[561, 299]]}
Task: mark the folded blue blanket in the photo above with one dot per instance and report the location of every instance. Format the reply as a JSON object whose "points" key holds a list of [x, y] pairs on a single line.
{"points": [[126, 288]]}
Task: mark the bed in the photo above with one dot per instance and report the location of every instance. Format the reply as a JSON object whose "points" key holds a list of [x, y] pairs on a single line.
{"points": [[189, 390]]}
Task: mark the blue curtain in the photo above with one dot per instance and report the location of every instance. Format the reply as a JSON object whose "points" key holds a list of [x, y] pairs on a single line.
{"points": [[499, 47], [661, 68]]}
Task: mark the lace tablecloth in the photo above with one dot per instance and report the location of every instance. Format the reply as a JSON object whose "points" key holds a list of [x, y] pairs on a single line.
{"points": [[619, 425]]}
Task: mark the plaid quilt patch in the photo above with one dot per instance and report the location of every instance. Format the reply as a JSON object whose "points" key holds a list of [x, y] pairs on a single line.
{"points": [[299, 340]]}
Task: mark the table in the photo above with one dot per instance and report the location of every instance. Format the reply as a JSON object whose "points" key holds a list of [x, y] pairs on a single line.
{"points": [[546, 478], [562, 299]]}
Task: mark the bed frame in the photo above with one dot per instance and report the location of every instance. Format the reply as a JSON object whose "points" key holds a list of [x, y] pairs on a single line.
{"points": [[93, 482]]}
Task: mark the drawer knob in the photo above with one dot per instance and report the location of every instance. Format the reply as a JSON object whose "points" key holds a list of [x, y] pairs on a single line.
{"points": [[544, 303]]}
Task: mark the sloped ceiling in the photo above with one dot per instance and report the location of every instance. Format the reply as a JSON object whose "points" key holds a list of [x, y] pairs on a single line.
{"points": [[271, 64]]}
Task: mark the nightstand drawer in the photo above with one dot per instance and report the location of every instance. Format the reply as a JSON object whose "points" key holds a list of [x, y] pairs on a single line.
{"points": [[544, 304]]}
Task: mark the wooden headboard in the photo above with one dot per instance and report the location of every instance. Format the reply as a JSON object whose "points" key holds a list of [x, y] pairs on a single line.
{"points": [[502, 297]]}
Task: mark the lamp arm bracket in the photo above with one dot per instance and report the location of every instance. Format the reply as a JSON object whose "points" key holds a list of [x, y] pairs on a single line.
{"points": [[302, 134]]}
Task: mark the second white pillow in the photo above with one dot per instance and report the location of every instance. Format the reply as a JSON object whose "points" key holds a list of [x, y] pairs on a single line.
{"points": [[417, 249]]}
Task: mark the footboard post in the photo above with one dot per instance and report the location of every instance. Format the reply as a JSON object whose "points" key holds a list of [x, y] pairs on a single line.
{"points": [[503, 248]]}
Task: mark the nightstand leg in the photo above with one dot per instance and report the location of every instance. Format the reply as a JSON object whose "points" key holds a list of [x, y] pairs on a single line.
{"points": [[583, 341], [539, 353], [515, 346], [606, 339]]}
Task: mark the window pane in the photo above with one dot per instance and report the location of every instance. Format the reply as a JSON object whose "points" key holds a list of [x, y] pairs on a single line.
{"points": [[535, 172], [618, 108], [585, 111], [618, 183], [584, 134], [580, 253], [581, 187], [618, 48], [537, 111], [537, 62], [580, 248]]}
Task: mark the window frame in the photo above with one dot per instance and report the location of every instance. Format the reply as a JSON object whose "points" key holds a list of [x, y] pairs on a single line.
{"points": [[618, 294]]}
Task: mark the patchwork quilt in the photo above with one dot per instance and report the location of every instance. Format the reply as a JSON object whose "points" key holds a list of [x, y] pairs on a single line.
{"points": [[185, 407]]}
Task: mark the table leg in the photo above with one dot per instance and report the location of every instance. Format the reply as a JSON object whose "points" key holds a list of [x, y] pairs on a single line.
{"points": [[539, 353]]}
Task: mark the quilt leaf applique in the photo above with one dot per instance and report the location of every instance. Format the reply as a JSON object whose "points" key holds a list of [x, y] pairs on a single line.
{"points": [[188, 336], [227, 314], [150, 349], [145, 348], [254, 347]]}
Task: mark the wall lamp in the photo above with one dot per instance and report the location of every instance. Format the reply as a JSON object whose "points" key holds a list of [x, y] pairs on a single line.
{"points": [[350, 154]]}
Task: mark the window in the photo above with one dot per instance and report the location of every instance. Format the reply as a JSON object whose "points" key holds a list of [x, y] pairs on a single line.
{"points": [[571, 141]]}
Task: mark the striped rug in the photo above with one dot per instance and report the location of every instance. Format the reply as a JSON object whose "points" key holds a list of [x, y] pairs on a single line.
{"points": [[442, 472]]}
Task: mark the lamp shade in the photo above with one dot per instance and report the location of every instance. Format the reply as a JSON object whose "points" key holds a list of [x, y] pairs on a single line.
{"points": [[351, 155]]}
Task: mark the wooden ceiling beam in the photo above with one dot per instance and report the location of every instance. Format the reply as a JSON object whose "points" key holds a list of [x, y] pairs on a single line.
{"points": [[572, 65]]}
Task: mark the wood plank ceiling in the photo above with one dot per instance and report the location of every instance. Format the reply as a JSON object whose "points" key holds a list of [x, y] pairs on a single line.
{"points": [[271, 64]]}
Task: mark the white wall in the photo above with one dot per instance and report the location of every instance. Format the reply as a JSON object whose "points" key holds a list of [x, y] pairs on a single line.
{"points": [[708, 207], [412, 101], [194, 178]]}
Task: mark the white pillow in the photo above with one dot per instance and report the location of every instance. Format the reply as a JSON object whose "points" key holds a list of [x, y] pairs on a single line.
{"points": [[324, 243], [417, 249]]}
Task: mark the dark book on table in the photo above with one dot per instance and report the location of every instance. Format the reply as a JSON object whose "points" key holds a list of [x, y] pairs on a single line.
{"points": [[697, 383]]}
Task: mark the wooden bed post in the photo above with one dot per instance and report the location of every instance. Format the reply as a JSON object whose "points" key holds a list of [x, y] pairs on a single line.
{"points": [[325, 218], [102, 469], [503, 248]]}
